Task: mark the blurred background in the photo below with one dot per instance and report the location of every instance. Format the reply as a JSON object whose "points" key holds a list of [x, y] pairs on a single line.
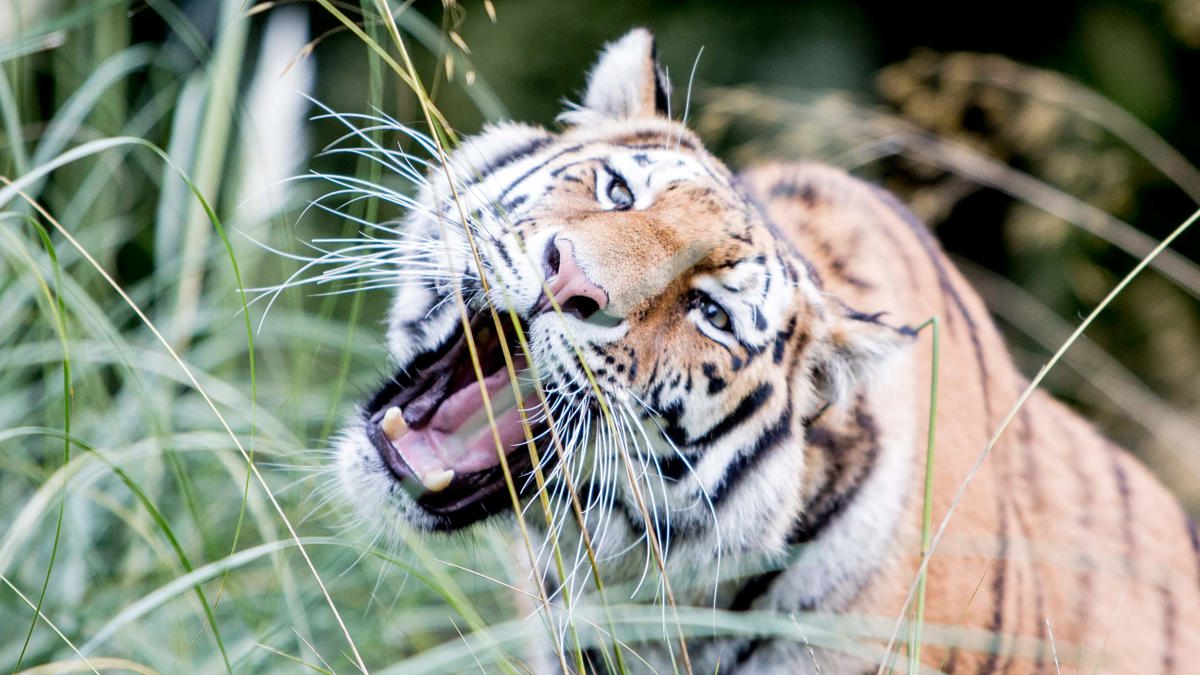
{"points": [[1049, 145]]}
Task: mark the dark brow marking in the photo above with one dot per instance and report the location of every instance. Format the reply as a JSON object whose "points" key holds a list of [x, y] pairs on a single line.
{"points": [[667, 138], [519, 153], [513, 155], [555, 173], [752, 352], [525, 176], [725, 265]]}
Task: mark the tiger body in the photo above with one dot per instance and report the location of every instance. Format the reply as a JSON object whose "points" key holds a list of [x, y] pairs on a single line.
{"points": [[1063, 548], [720, 383]]}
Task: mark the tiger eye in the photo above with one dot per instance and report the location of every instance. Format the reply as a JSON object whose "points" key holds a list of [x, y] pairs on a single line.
{"points": [[715, 315], [619, 194]]}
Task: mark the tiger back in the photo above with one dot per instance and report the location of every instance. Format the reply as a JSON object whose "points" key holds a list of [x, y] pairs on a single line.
{"points": [[1065, 550]]}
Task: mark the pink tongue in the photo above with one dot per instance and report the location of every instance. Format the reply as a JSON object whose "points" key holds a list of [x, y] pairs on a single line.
{"points": [[437, 448]]}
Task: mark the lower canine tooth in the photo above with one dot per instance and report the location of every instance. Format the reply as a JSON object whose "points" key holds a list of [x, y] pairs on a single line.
{"points": [[436, 481], [393, 423]]}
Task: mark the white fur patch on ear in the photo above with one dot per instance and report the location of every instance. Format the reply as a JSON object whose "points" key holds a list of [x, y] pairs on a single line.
{"points": [[859, 345], [626, 82]]}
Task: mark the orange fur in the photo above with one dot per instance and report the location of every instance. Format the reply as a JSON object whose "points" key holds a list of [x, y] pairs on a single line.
{"points": [[1060, 531]]}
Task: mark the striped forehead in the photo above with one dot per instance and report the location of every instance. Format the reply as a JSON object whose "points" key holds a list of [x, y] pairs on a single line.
{"points": [[520, 181]]}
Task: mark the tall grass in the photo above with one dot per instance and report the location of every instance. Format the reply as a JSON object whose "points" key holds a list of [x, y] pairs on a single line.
{"points": [[162, 499], [154, 468]]}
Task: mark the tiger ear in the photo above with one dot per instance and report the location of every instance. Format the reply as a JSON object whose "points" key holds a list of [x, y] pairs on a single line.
{"points": [[627, 81], [859, 346]]}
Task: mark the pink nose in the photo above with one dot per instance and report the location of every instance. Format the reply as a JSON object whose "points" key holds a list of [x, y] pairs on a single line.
{"points": [[570, 287]]}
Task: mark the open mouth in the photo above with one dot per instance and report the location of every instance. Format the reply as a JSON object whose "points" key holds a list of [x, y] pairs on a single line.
{"points": [[430, 426]]}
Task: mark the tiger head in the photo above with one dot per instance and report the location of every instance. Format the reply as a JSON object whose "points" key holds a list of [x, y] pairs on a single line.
{"points": [[665, 336]]}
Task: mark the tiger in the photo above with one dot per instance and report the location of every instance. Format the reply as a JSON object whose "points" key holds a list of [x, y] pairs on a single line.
{"points": [[704, 366]]}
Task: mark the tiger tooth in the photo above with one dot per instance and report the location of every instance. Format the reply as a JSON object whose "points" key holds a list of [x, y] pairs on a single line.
{"points": [[393, 424], [436, 481]]}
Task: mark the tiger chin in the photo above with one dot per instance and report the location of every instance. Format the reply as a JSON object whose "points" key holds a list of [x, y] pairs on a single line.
{"points": [[722, 367]]}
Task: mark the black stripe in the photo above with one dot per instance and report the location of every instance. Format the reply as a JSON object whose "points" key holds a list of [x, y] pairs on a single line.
{"points": [[937, 259], [1030, 475], [746, 408], [1028, 478], [840, 487], [737, 470], [1169, 619], [754, 589], [1121, 481], [746, 651], [513, 204], [1194, 535], [716, 383], [502, 251], [520, 152], [791, 188], [950, 663], [999, 583], [760, 320], [909, 270], [521, 179], [1039, 598], [675, 466], [781, 340], [925, 239], [671, 414], [589, 496], [665, 138]]}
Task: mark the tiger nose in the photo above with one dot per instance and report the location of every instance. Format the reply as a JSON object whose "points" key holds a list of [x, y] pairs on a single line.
{"points": [[570, 287]]}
